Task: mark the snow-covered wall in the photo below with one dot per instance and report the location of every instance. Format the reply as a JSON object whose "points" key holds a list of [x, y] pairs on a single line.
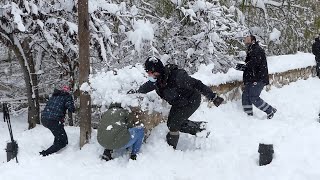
{"points": [[111, 86], [276, 64]]}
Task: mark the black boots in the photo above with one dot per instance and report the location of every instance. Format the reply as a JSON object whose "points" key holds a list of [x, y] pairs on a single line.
{"points": [[107, 155], [43, 153], [193, 127], [133, 157], [172, 139], [270, 116]]}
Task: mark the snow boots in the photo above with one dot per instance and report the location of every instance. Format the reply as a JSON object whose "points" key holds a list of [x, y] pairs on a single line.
{"points": [[270, 116], [193, 127], [172, 139], [43, 153], [266, 154], [197, 128], [133, 157], [107, 155]]}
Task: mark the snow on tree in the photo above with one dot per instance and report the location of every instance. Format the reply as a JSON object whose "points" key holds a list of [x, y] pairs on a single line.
{"points": [[296, 20]]}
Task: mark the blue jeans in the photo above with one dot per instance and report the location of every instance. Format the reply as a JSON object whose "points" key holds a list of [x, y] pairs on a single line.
{"points": [[251, 95], [137, 135]]}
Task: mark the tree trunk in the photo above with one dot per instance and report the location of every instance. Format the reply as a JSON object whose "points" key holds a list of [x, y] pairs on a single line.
{"points": [[70, 118], [25, 58], [84, 70]]}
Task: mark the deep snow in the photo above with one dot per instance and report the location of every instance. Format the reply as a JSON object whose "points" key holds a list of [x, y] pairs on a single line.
{"points": [[230, 153]]}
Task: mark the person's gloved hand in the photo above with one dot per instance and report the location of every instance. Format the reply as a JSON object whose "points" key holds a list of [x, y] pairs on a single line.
{"points": [[216, 100], [131, 91], [241, 67]]}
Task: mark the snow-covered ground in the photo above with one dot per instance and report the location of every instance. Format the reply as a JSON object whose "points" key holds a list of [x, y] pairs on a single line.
{"points": [[230, 153]]}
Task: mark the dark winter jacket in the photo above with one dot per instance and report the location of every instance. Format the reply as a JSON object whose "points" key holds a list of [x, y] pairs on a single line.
{"points": [[316, 49], [256, 65], [177, 87], [57, 105], [113, 131]]}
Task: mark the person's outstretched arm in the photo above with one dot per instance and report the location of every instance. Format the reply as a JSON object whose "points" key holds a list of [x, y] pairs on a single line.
{"points": [[185, 81], [144, 88]]}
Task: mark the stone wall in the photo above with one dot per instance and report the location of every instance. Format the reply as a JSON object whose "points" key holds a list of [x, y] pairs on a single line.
{"points": [[230, 91]]}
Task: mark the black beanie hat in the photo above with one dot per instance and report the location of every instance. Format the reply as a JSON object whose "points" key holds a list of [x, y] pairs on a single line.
{"points": [[154, 64]]}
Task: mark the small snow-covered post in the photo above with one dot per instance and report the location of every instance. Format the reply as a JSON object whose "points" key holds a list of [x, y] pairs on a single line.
{"points": [[84, 71]]}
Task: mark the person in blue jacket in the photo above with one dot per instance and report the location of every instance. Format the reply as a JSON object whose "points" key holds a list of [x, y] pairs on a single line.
{"points": [[52, 117]]}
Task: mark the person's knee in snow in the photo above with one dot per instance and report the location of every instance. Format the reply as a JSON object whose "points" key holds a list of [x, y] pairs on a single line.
{"points": [[116, 131]]}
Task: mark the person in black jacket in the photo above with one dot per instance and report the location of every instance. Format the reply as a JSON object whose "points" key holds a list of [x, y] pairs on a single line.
{"points": [[52, 117], [255, 77], [182, 92], [316, 52]]}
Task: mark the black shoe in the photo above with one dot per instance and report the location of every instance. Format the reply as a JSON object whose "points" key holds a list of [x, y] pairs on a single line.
{"points": [[133, 157], [107, 155], [43, 153], [270, 116], [250, 114], [172, 140]]}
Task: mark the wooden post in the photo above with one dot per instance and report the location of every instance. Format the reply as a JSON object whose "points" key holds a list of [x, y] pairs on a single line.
{"points": [[84, 71]]}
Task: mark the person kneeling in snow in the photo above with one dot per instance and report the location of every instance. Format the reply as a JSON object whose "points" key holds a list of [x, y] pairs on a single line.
{"points": [[182, 92], [52, 117], [116, 132]]}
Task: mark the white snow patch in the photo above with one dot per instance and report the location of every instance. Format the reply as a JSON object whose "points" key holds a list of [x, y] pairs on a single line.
{"points": [[109, 127], [143, 30], [275, 35], [85, 87], [17, 17]]}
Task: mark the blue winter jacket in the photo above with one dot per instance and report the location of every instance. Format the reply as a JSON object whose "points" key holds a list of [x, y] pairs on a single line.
{"points": [[57, 105]]}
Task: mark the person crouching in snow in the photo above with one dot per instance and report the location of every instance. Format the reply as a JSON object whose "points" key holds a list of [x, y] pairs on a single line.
{"points": [[182, 92], [116, 132], [52, 117]]}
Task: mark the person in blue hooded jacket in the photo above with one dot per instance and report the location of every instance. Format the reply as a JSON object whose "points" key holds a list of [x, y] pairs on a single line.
{"points": [[52, 117]]}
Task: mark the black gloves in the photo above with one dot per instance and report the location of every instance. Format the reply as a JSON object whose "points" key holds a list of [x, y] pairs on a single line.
{"points": [[216, 100], [241, 67], [131, 91]]}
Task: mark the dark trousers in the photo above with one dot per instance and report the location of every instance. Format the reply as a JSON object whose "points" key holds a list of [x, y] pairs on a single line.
{"points": [[60, 135], [251, 96], [318, 67], [178, 117]]}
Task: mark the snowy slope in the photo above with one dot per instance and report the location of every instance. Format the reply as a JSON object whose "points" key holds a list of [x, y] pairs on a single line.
{"points": [[230, 153]]}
